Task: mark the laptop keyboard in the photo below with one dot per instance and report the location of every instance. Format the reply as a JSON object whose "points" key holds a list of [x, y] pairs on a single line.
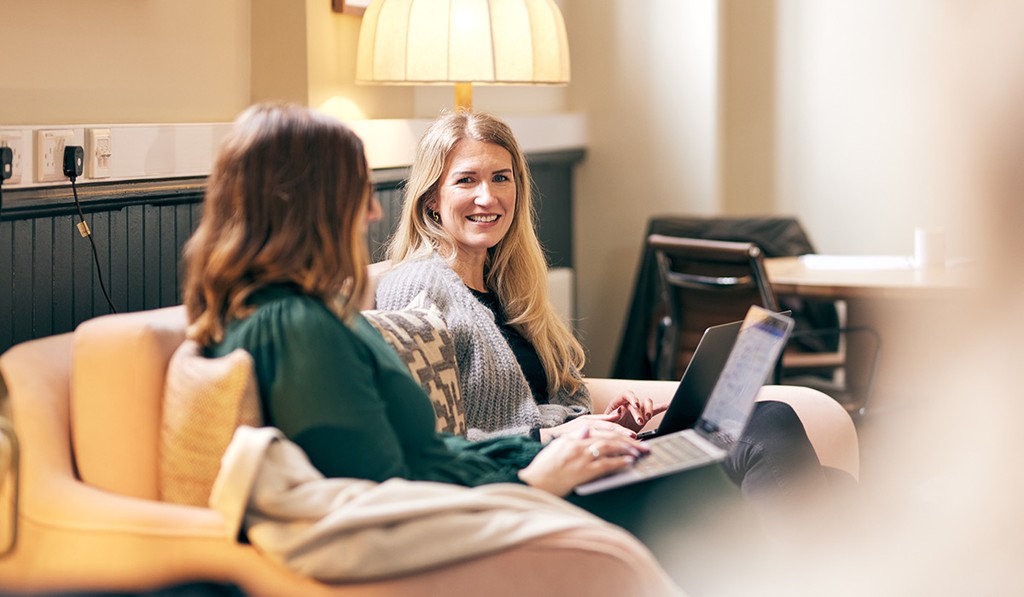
{"points": [[667, 452]]}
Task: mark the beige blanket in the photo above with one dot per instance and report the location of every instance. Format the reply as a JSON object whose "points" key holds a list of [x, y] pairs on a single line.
{"points": [[347, 529]]}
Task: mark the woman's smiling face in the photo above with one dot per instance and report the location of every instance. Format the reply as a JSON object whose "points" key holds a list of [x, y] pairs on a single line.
{"points": [[476, 196]]}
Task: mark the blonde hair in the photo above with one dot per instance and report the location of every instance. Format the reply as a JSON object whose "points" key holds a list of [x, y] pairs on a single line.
{"points": [[284, 204], [515, 268]]}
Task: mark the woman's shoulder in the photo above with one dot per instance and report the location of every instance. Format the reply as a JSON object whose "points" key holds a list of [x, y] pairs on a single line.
{"points": [[283, 312], [425, 267], [405, 280]]}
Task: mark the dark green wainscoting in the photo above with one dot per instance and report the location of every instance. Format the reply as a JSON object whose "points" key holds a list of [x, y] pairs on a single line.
{"points": [[48, 281]]}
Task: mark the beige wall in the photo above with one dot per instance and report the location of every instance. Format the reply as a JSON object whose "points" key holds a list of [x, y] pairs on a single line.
{"points": [[747, 91], [865, 115], [646, 81], [278, 50], [123, 61]]}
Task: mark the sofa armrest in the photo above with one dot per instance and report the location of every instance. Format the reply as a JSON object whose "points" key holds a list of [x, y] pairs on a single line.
{"points": [[65, 502], [118, 368], [603, 390], [9, 476], [36, 374]]}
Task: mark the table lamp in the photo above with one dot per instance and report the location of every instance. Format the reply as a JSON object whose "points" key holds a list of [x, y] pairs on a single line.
{"points": [[462, 42]]}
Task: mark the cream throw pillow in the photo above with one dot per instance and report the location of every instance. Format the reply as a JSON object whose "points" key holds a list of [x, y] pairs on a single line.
{"points": [[421, 338], [205, 400]]}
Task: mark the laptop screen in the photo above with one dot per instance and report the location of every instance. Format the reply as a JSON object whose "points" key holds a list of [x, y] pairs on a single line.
{"points": [[758, 346]]}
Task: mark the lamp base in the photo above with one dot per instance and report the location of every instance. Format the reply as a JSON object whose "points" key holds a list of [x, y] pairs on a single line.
{"points": [[463, 96]]}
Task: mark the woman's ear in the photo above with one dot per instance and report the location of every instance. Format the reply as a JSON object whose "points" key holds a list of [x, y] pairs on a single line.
{"points": [[430, 202]]}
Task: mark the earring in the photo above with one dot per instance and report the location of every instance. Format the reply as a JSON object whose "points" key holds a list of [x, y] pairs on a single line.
{"points": [[434, 215]]}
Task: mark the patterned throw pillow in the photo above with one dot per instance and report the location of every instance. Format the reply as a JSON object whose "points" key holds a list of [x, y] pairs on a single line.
{"points": [[421, 338], [205, 400]]}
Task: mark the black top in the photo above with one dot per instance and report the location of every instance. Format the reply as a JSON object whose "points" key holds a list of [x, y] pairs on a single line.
{"points": [[523, 350]]}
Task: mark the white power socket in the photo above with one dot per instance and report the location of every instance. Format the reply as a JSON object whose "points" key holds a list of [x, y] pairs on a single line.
{"points": [[98, 153], [50, 146], [13, 139]]}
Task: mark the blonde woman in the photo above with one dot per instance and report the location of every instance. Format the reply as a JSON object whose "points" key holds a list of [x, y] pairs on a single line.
{"points": [[467, 238]]}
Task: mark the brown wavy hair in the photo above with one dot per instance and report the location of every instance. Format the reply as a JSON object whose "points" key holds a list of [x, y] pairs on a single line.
{"points": [[515, 268], [285, 203]]}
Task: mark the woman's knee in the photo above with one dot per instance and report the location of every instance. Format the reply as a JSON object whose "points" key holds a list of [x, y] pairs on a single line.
{"points": [[773, 448], [826, 424]]}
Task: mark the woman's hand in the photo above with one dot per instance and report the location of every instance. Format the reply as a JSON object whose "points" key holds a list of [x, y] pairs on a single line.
{"points": [[607, 422], [633, 412], [578, 457]]}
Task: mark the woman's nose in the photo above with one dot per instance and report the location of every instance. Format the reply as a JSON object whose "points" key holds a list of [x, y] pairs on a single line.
{"points": [[484, 196]]}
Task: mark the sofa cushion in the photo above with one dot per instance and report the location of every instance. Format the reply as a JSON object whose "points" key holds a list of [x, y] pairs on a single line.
{"points": [[421, 338], [205, 400]]}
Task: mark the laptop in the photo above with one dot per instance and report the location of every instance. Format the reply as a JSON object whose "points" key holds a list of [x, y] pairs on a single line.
{"points": [[759, 341], [698, 379]]}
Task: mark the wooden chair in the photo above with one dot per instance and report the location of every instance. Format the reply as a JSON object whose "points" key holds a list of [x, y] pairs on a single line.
{"points": [[709, 282]]}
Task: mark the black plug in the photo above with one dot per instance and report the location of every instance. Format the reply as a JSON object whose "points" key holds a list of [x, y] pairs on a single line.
{"points": [[6, 163], [6, 170], [74, 160]]}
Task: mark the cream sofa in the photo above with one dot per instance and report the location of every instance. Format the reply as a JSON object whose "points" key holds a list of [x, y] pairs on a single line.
{"points": [[86, 408]]}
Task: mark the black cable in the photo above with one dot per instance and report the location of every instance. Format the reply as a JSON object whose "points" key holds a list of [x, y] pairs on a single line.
{"points": [[83, 228]]}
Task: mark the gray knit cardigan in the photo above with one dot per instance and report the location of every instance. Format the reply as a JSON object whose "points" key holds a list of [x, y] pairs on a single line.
{"points": [[494, 390]]}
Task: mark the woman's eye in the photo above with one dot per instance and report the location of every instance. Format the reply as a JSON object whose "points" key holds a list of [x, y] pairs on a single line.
{"points": [[501, 178], [464, 180]]}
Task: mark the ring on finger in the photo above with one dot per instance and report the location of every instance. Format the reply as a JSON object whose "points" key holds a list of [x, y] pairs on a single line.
{"points": [[595, 452]]}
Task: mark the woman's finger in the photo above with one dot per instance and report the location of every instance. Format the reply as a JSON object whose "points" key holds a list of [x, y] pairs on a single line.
{"points": [[619, 441], [648, 408], [636, 411], [620, 430], [611, 417], [604, 449]]}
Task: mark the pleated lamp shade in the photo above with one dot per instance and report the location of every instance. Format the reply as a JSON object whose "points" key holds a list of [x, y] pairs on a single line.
{"points": [[461, 42]]}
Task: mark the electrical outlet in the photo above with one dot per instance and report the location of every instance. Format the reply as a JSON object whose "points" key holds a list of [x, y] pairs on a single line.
{"points": [[13, 139], [98, 153], [50, 153]]}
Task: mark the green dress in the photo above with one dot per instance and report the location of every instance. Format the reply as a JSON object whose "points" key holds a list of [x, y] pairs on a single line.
{"points": [[341, 393]]}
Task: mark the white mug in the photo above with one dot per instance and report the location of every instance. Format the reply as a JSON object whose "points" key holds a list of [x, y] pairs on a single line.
{"points": [[929, 248]]}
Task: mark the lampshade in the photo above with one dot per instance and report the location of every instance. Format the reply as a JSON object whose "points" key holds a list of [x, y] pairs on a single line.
{"points": [[461, 42]]}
